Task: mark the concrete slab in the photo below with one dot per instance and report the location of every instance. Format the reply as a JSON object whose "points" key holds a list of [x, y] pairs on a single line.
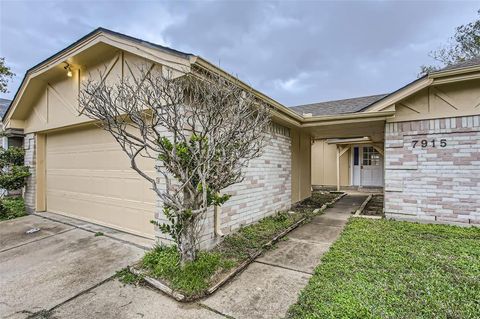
{"points": [[13, 232], [115, 300], [294, 254], [44, 273], [261, 291], [316, 233], [140, 241], [326, 220]]}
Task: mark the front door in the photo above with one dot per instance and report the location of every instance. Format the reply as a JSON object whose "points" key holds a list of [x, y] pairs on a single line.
{"points": [[371, 167]]}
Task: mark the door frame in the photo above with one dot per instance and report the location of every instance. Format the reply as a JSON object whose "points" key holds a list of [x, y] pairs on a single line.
{"points": [[360, 157]]}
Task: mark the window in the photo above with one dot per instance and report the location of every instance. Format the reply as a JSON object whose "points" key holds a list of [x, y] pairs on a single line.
{"points": [[370, 156], [355, 155]]}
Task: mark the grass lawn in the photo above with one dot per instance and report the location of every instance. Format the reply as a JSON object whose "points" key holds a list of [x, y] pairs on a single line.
{"points": [[194, 278], [389, 269]]}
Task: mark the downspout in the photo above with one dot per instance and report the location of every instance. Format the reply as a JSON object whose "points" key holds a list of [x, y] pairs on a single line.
{"points": [[217, 210]]}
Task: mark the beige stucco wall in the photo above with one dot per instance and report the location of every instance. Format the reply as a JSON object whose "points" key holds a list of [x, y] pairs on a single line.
{"points": [[55, 101], [440, 101], [324, 165], [301, 165]]}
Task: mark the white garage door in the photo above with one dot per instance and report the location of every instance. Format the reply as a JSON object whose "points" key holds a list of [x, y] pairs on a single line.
{"points": [[89, 177]]}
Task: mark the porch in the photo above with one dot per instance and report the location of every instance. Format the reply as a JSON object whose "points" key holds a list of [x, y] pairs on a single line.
{"points": [[348, 155]]}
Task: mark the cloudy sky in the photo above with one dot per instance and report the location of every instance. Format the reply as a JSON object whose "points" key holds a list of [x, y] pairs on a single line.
{"points": [[296, 52]]}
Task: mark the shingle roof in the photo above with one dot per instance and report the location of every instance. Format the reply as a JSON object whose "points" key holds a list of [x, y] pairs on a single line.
{"points": [[465, 64], [339, 106], [4, 103]]}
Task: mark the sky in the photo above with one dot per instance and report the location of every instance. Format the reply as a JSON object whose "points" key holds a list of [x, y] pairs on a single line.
{"points": [[296, 52]]}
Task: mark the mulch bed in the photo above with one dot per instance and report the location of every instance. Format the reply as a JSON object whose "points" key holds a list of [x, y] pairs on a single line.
{"points": [[374, 206]]}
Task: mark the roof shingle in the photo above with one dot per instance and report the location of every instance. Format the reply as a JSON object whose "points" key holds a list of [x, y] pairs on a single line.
{"points": [[338, 106], [464, 64], [4, 103]]}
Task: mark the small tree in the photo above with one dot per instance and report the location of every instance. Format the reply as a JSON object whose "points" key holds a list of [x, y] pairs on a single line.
{"points": [[202, 129], [464, 45], [5, 75]]}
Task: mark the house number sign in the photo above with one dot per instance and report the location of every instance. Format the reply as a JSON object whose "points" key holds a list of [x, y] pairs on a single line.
{"points": [[429, 143]]}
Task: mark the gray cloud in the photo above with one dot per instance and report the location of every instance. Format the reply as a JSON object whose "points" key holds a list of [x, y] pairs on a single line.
{"points": [[295, 52]]}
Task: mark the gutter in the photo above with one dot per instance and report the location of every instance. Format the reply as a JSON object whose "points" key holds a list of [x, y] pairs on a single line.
{"points": [[315, 120]]}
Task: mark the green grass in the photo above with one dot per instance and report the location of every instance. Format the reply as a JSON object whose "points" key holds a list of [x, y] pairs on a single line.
{"points": [[388, 269], [127, 277], [193, 278], [12, 207], [250, 239]]}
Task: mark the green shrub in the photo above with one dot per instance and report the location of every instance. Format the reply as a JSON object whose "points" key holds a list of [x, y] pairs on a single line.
{"points": [[15, 178], [12, 207], [12, 156], [13, 174]]}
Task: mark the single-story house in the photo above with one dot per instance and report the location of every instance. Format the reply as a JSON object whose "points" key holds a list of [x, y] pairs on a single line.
{"points": [[421, 143]]}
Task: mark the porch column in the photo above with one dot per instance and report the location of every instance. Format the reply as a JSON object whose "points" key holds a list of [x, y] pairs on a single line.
{"points": [[340, 152], [338, 168]]}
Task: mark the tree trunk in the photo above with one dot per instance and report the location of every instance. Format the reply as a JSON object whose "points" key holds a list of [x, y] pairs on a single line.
{"points": [[188, 245]]}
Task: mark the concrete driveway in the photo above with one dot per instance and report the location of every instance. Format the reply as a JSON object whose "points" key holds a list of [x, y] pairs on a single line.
{"points": [[39, 271], [65, 271]]}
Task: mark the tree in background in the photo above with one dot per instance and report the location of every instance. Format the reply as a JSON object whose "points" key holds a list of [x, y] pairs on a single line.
{"points": [[5, 75], [13, 177], [464, 45], [202, 131]]}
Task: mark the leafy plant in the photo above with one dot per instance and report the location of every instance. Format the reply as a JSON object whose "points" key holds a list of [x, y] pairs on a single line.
{"points": [[12, 207], [13, 174]]}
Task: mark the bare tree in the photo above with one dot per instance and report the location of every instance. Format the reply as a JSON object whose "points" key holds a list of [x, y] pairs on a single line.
{"points": [[202, 129]]}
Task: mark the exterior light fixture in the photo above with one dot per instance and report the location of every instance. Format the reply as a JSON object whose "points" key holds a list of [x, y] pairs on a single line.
{"points": [[69, 70]]}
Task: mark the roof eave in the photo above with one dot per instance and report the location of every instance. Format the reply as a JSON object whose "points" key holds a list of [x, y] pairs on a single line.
{"points": [[331, 119], [296, 119]]}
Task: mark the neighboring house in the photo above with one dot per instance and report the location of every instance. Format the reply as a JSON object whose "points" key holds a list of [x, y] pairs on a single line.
{"points": [[10, 137], [78, 169]]}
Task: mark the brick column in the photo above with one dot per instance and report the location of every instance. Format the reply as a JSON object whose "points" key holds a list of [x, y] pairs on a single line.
{"points": [[30, 160]]}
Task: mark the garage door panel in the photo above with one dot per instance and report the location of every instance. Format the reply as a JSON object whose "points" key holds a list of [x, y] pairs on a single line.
{"points": [[88, 177]]}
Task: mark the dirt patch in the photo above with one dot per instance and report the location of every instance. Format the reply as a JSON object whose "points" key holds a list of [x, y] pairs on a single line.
{"points": [[317, 199], [374, 206]]}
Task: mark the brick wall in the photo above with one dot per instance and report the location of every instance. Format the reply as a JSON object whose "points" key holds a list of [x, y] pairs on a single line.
{"points": [[265, 190], [435, 184], [29, 194]]}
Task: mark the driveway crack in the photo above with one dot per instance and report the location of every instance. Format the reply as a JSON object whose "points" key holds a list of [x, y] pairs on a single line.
{"points": [[214, 311], [283, 267]]}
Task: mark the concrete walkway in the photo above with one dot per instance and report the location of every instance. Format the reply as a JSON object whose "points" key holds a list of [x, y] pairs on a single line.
{"points": [[272, 283], [264, 290]]}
